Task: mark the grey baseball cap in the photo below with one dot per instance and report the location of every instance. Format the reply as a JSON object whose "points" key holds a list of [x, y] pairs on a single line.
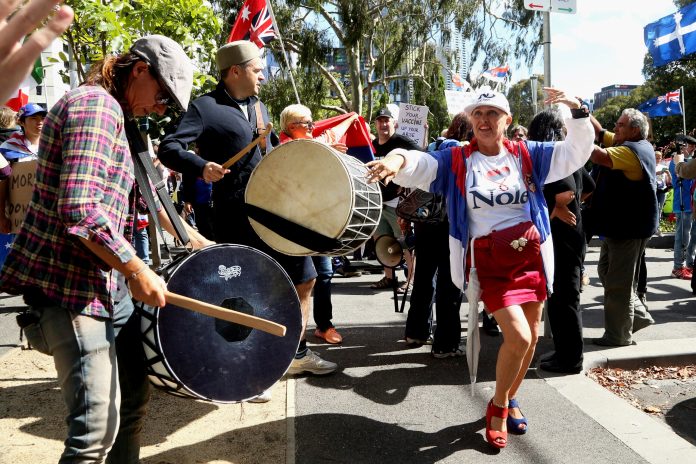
{"points": [[170, 63]]}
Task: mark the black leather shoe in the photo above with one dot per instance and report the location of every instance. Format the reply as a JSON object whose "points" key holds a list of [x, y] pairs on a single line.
{"points": [[551, 355], [490, 327], [555, 366]]}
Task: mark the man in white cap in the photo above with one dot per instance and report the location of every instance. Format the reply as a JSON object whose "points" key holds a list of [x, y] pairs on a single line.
{"points": [[221, 123]]}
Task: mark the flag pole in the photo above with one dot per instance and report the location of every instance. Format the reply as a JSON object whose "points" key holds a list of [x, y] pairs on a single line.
{"points": [[282, 47], [681, 94]]}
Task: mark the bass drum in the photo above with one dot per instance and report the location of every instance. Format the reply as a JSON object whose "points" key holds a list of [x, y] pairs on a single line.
{"points": [[312, 185], [193, 355]]}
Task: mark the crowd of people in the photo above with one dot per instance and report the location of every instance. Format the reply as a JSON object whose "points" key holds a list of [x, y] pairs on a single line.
{"points": [[520, 212]]}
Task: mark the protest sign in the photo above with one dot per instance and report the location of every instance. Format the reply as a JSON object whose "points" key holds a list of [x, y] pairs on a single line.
{"points": [[21, 184], [411, 122]]}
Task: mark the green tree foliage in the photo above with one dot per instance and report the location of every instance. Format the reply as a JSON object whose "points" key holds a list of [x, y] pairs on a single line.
{"points": [[388, 41], [102, 27], [521, 102]]}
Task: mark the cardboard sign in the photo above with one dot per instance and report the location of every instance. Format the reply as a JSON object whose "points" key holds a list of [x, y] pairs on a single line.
{"points": [[21, 185], [457, 101], [412, 121]]}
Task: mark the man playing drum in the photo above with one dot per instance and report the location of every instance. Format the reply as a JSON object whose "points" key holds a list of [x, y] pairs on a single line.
{"points": [[221, 123]]}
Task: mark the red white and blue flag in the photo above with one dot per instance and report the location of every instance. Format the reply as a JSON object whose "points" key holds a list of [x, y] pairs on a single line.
{"points": [[497, 74], [664, 105], [254, 23]]}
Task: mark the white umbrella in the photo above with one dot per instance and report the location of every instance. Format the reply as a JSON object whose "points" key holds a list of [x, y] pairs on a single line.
{"points": [[473, 337]]}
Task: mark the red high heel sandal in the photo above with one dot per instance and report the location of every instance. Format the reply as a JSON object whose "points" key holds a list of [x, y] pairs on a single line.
{"points": [[495, 438]]}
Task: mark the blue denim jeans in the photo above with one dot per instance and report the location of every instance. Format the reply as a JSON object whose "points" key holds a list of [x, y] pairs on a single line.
{"points": [[323, 310], [141, 243], [99, 362], [684, 241]]}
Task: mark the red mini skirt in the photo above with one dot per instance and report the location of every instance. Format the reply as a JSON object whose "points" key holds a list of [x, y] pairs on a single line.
{"points": [[509, 266]]}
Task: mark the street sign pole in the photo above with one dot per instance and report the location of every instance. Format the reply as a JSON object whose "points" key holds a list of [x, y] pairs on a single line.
{"points": [[547, 48]]}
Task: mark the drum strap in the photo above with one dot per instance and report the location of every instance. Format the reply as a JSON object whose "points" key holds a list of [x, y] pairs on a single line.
{"points": [[292, 231], [144, 168]]}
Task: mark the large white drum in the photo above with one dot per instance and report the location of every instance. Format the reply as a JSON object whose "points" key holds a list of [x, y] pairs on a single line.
{"points": [[324, 191]]}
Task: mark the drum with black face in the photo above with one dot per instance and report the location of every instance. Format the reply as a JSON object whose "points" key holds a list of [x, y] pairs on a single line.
{"points": [[308, 184], [197, 356]]}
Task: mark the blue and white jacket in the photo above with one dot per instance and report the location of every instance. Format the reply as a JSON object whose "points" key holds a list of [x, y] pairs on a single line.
{"points": [[437, 172]]}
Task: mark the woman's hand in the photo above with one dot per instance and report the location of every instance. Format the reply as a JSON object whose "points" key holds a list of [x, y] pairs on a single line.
{"points": [[565, 215], [554, 95], [384, 169], [340, 147], [147, 287], [16, 58]]}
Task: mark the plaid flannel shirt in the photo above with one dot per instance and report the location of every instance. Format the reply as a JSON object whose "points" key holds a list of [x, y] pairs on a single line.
{"points": [[82, 187]]}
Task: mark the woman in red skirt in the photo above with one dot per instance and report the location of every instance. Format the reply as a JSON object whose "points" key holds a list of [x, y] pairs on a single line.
{"points": [[499, 224]]}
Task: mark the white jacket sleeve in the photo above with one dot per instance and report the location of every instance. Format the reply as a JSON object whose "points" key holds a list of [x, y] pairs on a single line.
{"points": [[419, 170]]}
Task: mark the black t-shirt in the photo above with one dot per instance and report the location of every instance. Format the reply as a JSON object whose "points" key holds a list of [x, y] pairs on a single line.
{"points": [[391, 191]]}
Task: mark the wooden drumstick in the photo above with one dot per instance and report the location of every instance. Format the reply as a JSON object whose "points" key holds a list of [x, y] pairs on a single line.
{"points": [[229, 315], [248, 148]]}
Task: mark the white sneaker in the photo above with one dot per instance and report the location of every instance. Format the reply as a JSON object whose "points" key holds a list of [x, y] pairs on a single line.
{"points": [[264, 397], [312, 364], [459, 351]]}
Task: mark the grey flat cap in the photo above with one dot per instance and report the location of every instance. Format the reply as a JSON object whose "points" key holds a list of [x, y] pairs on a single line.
{"points": [[170, 63], [237, 52]]}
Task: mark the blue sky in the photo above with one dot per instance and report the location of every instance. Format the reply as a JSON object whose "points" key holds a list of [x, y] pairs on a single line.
{"points": [[600, 45]]}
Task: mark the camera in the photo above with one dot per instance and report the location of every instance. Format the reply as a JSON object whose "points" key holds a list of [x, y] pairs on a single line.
{"points": [[27, 318]]}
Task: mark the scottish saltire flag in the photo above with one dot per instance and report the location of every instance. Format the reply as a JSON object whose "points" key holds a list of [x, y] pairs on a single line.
{"points": [[498, 74], [664, 105], [672, 37], [254, 23]]}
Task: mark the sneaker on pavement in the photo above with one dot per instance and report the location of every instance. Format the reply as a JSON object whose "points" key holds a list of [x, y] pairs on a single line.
{"points": [[416, 342], [330, 335], [459, 351], [681, 273], [313, 364], [264, 397], [348, 272]]}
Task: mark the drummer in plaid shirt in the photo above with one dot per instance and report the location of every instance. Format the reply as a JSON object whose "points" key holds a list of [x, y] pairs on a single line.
{"points": [[72, 259]]}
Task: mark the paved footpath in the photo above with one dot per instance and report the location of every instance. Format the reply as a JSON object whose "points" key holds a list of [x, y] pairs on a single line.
{"points": [[391, 404]]}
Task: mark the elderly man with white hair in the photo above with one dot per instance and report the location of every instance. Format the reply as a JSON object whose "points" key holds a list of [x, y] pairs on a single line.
{"points": [[624, 212]]}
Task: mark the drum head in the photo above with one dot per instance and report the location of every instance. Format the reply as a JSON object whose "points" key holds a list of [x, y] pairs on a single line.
{"points": [[218, 360], [305, 182]]}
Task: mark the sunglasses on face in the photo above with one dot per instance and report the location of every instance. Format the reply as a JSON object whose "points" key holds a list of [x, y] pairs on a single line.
{"points": [[307, 124]]}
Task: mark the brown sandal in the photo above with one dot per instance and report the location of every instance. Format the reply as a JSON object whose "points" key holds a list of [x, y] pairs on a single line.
{"points": [[386, 282]]}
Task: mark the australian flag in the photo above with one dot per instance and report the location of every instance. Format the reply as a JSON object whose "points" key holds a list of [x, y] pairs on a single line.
{"points": [[672, 37], [664, 105], [254, 23]]}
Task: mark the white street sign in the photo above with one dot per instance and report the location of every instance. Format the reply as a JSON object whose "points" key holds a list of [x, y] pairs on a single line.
{"points": [[553, 6], [537, 5], [564, 6]]}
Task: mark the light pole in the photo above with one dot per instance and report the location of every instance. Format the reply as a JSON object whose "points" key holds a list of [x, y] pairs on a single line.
{"points": [[533, 84]]}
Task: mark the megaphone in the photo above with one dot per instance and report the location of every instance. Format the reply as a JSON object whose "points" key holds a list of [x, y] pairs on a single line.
{"points": [[389, 250]]}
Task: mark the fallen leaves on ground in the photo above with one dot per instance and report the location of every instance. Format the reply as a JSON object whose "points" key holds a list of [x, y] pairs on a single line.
{"points": [[622, 381]]}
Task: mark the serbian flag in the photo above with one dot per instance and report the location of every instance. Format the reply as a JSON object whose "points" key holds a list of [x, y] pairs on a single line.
{"points": [[254, 23], [498, 74], [357, 137]]}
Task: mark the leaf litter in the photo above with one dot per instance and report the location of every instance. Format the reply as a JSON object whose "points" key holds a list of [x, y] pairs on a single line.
{"points": [[627, 383]]}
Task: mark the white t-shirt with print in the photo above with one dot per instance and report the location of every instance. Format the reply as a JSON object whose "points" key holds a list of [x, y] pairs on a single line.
{"points": [[496, 195]]}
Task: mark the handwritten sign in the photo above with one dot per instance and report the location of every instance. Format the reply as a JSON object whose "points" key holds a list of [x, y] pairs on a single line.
{"points": [[412, 121], [21, 184], [457, 101]]}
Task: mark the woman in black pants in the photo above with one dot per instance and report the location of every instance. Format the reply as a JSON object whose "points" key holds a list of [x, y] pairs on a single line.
{"points": [[433, 274]]}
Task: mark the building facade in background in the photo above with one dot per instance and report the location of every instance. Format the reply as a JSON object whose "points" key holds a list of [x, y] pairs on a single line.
{"points": [[611, 91]]}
